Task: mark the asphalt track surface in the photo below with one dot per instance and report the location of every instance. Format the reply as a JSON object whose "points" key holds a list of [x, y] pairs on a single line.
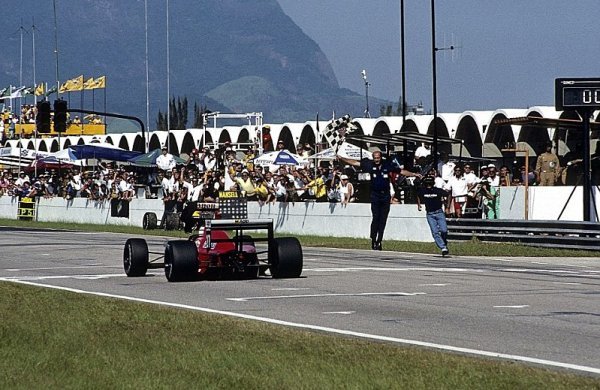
{"points": [[536, 310]]}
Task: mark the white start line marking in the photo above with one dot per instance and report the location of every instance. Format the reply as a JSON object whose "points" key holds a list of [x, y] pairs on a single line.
{"points": [[246, 299], [511, 306], [339, 312]]}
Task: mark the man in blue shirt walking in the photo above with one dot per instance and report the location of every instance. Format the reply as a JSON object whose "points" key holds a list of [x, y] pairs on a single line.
{"points": [[433, 198]]}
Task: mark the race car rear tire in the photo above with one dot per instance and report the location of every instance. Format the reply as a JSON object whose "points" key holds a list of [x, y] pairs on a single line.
{"points": [[285, 258], [181, 261], [172, 221], [150, 221], [135, 257]]}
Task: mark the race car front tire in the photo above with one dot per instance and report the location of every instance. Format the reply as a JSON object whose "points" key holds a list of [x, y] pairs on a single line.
{"points": [[181, 261], [135, 257], [285, 258]]}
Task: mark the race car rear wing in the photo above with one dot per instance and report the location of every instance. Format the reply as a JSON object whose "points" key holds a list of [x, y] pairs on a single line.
{"points": [[239, 226]]}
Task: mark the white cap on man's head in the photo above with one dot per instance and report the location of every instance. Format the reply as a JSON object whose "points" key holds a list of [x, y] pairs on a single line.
{"points": [[491, 166]]}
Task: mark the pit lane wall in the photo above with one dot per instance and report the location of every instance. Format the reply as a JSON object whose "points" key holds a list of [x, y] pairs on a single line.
{"points": [[405, 222]]}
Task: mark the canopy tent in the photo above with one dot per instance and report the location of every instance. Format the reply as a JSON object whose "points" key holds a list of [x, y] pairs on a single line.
{"points": [[149, 159], [280, 157], [345, 150], [66, 155], [103, 152], [47, 163], [17, 157]]}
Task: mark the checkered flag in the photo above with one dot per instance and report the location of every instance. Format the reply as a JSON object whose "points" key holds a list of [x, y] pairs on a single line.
{"points": [[336, 131]]}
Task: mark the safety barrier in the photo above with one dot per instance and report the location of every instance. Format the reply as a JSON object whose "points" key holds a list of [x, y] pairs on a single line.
{"points": [[549, 234]]}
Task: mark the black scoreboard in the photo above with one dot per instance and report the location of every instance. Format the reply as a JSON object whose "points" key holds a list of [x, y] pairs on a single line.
{"points": [[577, 93]]}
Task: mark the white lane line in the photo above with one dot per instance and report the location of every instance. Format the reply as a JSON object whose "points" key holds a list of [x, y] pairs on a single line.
{"points": [[451, 348], [246, 299], [358, 269], [569, 283], [339, 312], [56, 277], [77, 277], [511, 306], [433, 285], [539, 262], [290, 289], [505, 260], [552, 271], [65, 267]]}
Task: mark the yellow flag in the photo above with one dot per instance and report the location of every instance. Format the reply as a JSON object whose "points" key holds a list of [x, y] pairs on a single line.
{"points": [[66, 86], [39, 90], [89, 83], [100, 82], [77, 84]]}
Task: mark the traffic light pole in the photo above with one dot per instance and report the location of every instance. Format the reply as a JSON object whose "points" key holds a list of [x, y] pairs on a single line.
{"points": [[111, 115]]}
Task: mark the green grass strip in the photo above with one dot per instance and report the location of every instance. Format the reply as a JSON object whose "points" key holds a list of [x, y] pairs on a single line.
{"points": [[55, 339]]}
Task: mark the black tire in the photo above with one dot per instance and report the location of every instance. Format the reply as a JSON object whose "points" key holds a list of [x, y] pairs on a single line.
{"points": [[285, 258], [135, 257], [172, 221], [181, 261], [150, 221]]}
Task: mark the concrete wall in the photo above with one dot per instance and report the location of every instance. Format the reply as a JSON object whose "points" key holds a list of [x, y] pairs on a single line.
{"points": [[546, 203], [323, 219], [309, 218]]}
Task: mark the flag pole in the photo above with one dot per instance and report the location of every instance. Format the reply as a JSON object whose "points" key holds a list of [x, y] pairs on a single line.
{"points": [[35, 133], [168, 87]]}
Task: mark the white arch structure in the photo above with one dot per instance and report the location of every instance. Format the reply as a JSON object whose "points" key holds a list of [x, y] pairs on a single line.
{"points": [[478, 123]]}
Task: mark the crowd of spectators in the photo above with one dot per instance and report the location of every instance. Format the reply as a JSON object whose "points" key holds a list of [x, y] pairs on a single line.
{"points": [[206, 172]]}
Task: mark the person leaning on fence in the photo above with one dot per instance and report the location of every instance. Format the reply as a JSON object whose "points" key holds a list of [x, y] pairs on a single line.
{"points": [[379, 170], [433, 198]]}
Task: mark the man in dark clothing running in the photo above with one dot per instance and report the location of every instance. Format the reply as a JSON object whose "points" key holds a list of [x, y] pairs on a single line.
{"points": [[433, 198], [379, 170]]}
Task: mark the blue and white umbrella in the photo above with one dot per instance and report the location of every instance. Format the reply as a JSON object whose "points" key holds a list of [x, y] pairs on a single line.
{"points": [[280, 157]]}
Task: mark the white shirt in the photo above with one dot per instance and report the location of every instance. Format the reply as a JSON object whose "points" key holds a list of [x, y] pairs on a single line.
{"points": [[422, 151], [471, 178], [447, 170], [166, 162], [458, 185], [495, 182], [195, 193]]}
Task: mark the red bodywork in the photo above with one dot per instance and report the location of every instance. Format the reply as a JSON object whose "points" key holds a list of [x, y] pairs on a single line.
{"points": [[222, 254]]}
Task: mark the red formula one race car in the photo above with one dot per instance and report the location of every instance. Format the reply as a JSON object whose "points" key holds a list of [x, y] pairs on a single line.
{"points": [[220, 249]]}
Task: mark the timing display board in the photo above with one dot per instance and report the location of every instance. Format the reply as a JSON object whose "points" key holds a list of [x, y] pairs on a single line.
{"points": [[577, 93]]}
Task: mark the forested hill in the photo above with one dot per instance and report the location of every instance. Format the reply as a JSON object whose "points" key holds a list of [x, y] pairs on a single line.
{"points": [[231, 55]]}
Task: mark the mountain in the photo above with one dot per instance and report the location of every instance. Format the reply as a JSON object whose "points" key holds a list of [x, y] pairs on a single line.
{"points": [[235, 55]]}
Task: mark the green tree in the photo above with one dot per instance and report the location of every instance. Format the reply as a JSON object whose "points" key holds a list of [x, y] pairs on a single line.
{"points": [[199, 110], [161, 123]]}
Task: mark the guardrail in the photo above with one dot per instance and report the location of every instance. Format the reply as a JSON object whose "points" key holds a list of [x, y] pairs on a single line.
{"points": [[549, 234]]}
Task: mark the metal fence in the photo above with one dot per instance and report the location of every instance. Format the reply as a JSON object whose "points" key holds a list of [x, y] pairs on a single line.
{"points": [[549, 234]]}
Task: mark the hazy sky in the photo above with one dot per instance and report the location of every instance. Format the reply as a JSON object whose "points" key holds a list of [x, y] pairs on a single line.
{"points": [[512, 50]]}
